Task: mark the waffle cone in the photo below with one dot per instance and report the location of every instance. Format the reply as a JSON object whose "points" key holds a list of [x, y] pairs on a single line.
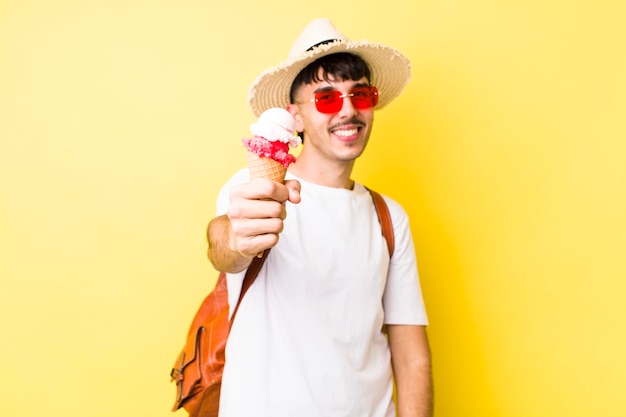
{"points": [[266, 168]]}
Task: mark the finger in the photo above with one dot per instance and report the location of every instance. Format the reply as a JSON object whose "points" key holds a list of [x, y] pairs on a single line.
{"points": [[250, 228], [256, 245], [260, 189], [255, 209]]}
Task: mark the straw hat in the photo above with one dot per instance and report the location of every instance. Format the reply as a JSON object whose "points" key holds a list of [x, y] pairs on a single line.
{"points": [[390, 70]]}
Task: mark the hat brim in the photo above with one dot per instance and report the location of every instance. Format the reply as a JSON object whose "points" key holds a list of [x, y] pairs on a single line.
{"points": [[390, 72]]}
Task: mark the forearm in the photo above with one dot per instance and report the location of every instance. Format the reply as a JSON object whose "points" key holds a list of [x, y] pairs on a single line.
{"points": [[412, 370], [414, 390], [220, 251]]}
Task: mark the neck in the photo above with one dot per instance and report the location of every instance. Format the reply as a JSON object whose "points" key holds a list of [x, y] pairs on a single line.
{"points": [[336, 175]]}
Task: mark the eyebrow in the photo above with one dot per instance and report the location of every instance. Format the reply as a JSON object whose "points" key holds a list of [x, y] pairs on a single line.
{"points": [[331, 88]]}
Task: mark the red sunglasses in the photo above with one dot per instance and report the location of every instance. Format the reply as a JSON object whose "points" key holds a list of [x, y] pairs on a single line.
{"points": [[331, 101]]}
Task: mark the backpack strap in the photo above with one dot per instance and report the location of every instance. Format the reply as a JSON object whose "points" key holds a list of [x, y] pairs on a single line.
{"points": [[385, 219], [248, 279]]}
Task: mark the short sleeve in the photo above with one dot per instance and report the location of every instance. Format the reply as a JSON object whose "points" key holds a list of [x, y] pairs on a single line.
{"points": [[403, 301]]}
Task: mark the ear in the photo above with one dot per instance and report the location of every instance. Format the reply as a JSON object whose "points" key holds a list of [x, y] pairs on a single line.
{"points": [[295, 112]]}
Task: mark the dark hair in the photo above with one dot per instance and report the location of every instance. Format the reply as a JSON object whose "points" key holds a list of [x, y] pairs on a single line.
{"points": [[341, 66]]}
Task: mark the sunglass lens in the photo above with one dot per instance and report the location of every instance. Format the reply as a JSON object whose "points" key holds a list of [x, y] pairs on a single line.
{"points": [[328, 101], [364, 97]]}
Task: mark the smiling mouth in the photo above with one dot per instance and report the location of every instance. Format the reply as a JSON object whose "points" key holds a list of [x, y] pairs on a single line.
{"points": [[345, 133]]}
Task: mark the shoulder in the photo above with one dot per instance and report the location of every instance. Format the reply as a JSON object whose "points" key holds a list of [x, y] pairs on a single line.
{"points": [[241, 175], [395, 208], [223, 201], [399, 216]]}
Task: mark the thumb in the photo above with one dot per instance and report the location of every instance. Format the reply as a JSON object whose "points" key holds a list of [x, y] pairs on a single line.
{"points": [[294, 187]]}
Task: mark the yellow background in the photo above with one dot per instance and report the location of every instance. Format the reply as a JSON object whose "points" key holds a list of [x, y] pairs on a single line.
{"points": [[120, 119]]}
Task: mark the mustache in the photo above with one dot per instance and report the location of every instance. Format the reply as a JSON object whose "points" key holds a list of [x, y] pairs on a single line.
{"points": [[353, 121]]}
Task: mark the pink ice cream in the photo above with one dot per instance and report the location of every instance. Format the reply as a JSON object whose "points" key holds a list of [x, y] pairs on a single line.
{"points": [[273, 134]]}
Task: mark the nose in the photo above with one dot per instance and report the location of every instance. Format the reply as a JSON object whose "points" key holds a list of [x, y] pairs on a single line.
{"points": [[347, 108]]}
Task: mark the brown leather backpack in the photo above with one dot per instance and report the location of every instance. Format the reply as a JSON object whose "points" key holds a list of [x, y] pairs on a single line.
{"points": [[199, 366]]}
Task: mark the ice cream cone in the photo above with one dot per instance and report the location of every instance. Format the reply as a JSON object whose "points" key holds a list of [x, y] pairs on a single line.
{"points": [[261, 167]]}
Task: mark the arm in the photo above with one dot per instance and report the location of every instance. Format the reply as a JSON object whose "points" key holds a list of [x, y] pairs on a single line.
{"points": [[410, 358], [252, 223], [219, 251]]}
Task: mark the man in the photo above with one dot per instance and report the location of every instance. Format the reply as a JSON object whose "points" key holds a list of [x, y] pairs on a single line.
{"points": [[330, 319]]}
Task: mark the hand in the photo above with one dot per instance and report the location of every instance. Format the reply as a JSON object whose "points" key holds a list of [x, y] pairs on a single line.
{"points": [[256, 214]]}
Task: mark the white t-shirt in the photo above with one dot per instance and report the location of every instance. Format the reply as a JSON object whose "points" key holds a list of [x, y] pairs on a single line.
{"points": [[307, 339]]}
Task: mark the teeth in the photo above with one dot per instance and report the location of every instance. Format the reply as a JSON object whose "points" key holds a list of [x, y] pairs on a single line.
{"points": [[345, 132]]}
